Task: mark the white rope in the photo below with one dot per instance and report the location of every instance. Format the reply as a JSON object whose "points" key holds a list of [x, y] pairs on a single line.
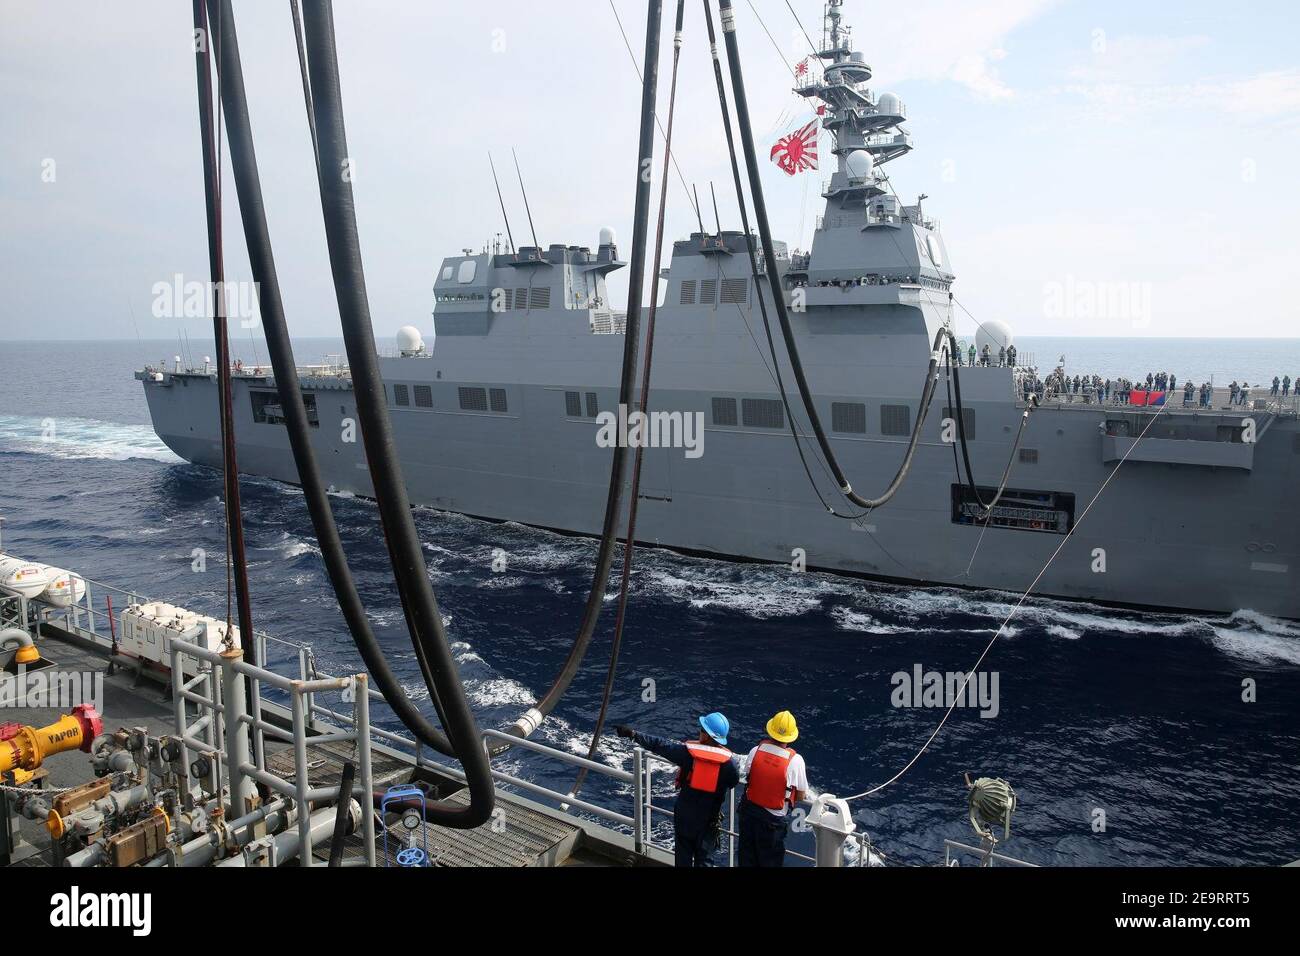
{"points": [[1023, 598]]}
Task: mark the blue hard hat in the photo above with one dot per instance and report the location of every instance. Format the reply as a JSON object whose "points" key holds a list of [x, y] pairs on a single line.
{"points": [[716, 726]]}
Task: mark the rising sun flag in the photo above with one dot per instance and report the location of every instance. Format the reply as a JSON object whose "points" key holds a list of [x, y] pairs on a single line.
{"points": [[797, 152]]}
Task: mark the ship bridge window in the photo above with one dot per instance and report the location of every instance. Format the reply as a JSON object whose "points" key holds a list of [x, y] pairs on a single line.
{"points": [[968, 420], [763, 413], [849, 418], [724, 412], [423, 396], [447, 273], [467, 271], [473, 399], [401, 395], [896, 420]]}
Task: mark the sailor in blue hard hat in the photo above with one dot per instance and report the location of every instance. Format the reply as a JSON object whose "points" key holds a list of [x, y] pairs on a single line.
{"points": [[706, 773]]}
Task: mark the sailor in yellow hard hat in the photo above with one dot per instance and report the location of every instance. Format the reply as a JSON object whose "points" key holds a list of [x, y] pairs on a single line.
{"points": [[776, 780]]}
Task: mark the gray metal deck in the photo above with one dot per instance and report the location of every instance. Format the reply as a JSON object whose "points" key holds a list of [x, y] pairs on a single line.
{"points": [[518, 835]]}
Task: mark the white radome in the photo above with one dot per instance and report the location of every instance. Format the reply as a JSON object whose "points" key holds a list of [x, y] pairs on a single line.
{"points": [[608, 237], [861, 166], [996, 335], [409, 340], [890, 104]]}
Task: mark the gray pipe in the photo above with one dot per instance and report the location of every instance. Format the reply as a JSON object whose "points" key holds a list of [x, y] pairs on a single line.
{"points": [[203, 850], [321, 825], [243, 793]]}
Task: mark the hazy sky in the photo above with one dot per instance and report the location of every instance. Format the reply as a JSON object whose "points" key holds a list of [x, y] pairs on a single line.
{"points": [[1076, 153]]}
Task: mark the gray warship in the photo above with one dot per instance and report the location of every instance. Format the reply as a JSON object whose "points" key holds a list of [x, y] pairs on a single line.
{"points": [[502, 416]]}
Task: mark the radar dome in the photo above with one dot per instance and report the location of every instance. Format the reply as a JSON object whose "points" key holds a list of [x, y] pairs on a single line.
{"points": [[409, 340], [996, 335], [607, 237], [861, 166], [890, 105]]}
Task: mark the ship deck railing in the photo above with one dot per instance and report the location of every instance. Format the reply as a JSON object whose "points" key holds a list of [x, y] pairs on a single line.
{"points": [[638, 819], [327, 369], [1220, 402], [206, 693], [953, 849]]}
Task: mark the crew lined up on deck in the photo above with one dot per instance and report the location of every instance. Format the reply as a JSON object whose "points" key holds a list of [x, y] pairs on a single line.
{"points": [[1005, 357], [775, 779], [1158, 389]]}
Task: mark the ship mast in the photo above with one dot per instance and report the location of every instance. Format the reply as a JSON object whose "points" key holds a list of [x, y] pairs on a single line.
{"points": [[866, 128]]}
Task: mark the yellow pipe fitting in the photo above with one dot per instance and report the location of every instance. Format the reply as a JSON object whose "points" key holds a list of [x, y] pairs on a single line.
{"points": [[29, 747]]}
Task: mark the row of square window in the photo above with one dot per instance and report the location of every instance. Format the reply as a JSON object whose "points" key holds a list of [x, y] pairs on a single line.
{"points": [[472, 399], [847, 418]]}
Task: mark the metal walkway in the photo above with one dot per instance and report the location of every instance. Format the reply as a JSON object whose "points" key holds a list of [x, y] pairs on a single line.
{"points": [[516, 836]]}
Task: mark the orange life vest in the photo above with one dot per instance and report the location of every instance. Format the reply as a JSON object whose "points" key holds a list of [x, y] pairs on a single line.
{"points": [[767, 775], [706, 765]]}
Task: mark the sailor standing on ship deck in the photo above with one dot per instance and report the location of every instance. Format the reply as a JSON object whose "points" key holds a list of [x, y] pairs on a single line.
{"points": [[706, 773], [775, 781]]}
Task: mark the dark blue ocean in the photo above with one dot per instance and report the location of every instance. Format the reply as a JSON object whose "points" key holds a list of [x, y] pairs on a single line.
{"points": [[1137, 715]]}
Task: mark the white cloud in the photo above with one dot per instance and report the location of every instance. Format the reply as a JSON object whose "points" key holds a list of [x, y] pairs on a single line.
{"points": [[1264, 96], [973, 72], [940, 40], [1132, 76]]}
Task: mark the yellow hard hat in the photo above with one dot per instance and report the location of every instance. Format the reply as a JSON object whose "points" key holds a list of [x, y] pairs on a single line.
{"points": [[782, 728]]}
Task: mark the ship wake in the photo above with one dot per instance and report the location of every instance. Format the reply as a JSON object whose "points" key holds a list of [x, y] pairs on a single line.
{"points": [[82, 438]]}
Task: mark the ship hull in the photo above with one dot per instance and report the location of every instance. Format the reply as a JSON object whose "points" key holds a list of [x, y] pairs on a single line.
{"points": [[1187, 536]]}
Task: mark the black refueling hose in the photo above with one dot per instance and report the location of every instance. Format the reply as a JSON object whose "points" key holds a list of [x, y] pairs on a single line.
{"points": [[428, 636], [257, 237], [237, 566], [634, 499], [341, 813], [753, 263], [531, 719]]}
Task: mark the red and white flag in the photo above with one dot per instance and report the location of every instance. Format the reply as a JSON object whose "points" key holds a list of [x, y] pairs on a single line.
{"points": [[797, 152], [802, 69]]}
